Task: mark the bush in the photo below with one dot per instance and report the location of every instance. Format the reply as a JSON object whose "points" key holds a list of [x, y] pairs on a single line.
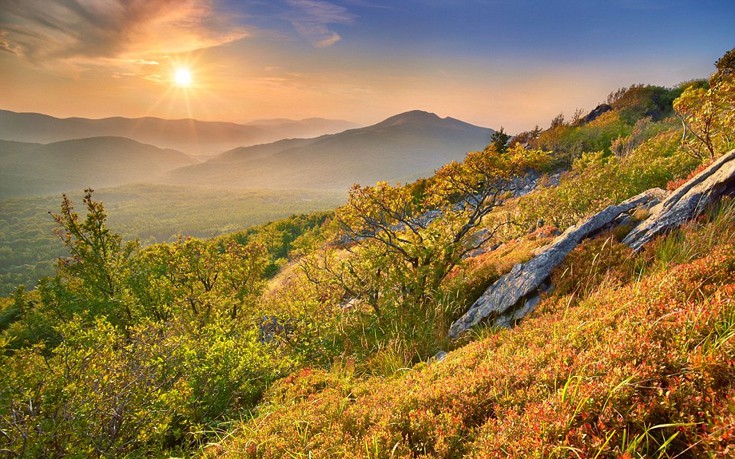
{"points": [[149, 390]]}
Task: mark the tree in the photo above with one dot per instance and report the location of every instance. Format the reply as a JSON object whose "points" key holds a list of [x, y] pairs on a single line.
{"points": [[526, 138], [243, 274], [578, 117], [499, 140], [402, 246], [198, 279], [98, 263], [707, 114], [726, 64], [557, 121]]}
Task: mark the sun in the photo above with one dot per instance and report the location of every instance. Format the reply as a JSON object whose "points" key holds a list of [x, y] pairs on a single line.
{"points": [[182, 77]]}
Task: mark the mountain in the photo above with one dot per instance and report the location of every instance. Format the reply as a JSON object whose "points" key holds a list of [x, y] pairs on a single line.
{"points": [[187, 135], [33, 169], [403, 147]]}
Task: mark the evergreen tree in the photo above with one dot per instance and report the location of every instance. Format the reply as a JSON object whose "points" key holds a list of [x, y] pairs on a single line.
{"points": [[499, 140]]}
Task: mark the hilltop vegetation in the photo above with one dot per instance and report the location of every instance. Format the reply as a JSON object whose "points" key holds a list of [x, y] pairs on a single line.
{"points": [[318, 336], [608, 366]]}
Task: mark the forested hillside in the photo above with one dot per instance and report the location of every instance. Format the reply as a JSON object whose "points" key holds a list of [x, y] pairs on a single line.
{"points": [[150, 213], [326, 335], [33, 170]]}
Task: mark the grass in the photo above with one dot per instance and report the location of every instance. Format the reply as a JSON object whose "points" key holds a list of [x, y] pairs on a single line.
{"points": [[640, 367]]}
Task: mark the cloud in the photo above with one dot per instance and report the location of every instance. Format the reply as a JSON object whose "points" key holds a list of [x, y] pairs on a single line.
{"points": [[5, 44], [43, 31], [311, 19]]}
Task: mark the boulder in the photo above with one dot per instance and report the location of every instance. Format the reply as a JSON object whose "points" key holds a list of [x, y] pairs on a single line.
{"points": [[270, 328], [687, 201], [523, 281], [599, 110], [516, 294]]}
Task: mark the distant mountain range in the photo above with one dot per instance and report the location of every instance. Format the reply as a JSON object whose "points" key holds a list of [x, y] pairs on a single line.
{"points": [[403, 147], [205, 138], [33, 169]]}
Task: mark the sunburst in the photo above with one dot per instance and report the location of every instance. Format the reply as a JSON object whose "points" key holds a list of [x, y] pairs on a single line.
{"points": [[183, 77]]}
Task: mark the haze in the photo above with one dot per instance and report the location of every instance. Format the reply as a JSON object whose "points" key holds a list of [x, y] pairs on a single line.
{"points": [[497, 63]]}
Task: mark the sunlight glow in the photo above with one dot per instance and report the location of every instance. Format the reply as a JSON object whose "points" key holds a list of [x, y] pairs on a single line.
{"points": [[182, 77]]}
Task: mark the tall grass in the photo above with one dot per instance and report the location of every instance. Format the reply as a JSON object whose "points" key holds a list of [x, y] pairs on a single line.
{"points": [[696, 238]]}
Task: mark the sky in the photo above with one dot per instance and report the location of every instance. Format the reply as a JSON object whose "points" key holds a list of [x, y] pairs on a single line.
{"points": [[495, 63]]}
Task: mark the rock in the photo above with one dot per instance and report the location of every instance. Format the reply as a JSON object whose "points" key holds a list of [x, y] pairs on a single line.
{"points": [[350, 304], [500, 303], [687, 201], [599, 110], [439, 356], [524, 184], [516, 314], [524, 279], [270, 327]]}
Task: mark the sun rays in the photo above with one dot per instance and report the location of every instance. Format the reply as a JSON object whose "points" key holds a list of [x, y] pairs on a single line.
{"points": [[182, 77]]}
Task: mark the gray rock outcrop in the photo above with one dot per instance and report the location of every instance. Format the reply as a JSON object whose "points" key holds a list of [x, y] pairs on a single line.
{"points": [[687, 201], [516, 294], [498, 301], [597, 112]]}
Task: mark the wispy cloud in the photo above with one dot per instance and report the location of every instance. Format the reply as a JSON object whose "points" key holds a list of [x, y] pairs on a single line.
{"points": [[43, 31], [311, 19]]}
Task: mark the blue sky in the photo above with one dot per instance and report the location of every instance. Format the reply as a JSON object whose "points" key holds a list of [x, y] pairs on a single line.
{"points": [[491, 62]]}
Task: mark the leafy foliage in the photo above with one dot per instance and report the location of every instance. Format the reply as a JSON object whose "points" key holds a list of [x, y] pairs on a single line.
{"points": [[499, 140], [130, 350], [410, 239], [155, 386], [98, 260], [597, 180], [707, 113]]}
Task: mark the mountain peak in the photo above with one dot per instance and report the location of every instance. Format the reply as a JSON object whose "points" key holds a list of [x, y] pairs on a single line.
{"points": [[410, 117], [420, 118]]}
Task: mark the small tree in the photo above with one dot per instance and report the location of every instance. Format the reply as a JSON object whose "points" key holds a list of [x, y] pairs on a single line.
{"points": [[402, 246], [708, 113], [726, 64], [557, 121], [198, 279], [98, 262], [499, 140]]}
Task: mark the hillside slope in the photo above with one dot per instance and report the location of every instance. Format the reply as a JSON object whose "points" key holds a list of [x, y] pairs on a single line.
{"points": [[403, 147], [33, 169], [643, 368]]}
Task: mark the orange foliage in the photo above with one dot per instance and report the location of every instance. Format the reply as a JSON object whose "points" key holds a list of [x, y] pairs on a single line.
{"points": [[674, 184], [620, 374]]}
